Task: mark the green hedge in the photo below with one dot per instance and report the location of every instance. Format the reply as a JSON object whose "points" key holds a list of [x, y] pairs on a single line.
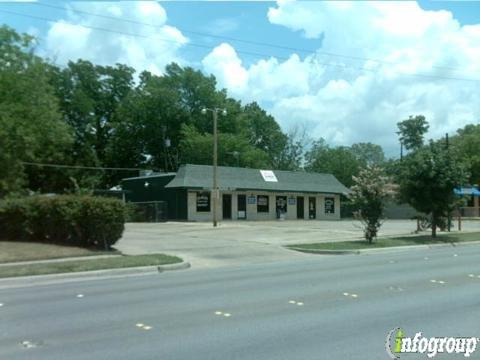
{"points": [[67, 219]]}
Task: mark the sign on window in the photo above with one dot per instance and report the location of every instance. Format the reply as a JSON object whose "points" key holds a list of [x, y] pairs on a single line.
{"points": [[329, 205]]}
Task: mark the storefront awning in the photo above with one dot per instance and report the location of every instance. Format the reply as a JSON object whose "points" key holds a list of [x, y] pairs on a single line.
{"points": [[467, 191]]}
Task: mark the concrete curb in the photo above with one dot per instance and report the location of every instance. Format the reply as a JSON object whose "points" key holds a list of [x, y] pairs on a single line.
{"points": [[21, 281], [385, 249], [325, 252]]}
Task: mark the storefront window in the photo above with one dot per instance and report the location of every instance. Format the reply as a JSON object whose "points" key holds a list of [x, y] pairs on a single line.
{"points": [[203, 202], [329, 205], [262, 203]]}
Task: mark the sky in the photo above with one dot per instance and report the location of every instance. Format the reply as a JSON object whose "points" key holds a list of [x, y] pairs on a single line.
{"points": [[344, 71]]}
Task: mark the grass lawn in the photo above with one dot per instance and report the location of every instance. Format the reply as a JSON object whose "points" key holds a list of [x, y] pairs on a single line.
{"points": [[390, 242], [11, 251], [87, 265]]}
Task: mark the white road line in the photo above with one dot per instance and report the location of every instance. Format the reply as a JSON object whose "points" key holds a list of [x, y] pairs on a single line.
{"points": [[227, 315], [147, 327], [354, 295], [292, 302], [139, 325], [300, 303], [80, 296], [346, 294], [218, 313], [471, 275]]}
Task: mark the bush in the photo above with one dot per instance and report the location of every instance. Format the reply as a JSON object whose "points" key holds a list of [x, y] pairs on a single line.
{"points": [[67, 219]]}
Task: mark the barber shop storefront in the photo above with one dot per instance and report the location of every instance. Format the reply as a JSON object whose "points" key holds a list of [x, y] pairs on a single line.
{"points": [[253, 194]]}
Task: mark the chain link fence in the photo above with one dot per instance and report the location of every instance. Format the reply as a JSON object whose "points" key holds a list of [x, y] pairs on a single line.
{"points": [[148, 211]]}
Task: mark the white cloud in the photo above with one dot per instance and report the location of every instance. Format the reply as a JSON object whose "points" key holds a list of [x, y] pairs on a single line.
{"points": [[76, 37], [341, 102]]}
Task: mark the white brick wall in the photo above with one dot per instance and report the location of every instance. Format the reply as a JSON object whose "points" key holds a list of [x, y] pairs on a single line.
{"points": [[252, 213]]}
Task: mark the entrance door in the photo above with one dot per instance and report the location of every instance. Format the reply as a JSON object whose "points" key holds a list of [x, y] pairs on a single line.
{"points": [[227, 206], [312, 208], [300, 207], [242, 206], [281, 203]]}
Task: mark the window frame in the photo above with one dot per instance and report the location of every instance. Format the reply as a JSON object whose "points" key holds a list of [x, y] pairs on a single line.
{"points": [[263, 208]]}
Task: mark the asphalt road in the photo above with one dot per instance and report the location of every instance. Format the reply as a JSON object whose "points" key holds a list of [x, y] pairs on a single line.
{"points": [[177, 310]]}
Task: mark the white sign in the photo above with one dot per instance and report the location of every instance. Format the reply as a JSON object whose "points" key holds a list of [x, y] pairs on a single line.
{"points": [[268, 175]]}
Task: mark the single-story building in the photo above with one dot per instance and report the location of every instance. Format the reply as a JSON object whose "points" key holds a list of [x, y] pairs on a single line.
{"points": [[250, 194]]}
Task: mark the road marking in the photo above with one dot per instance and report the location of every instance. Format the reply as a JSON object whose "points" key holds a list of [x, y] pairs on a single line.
{"points": [[351, 295], [346, 294], [143, 326], [354, 295], [300, 303], [433, 281], [227, 315], [441, 282], [1, 304], [455, 255], [28, 344], [471, 275], [292, 302], [218, 313], [80, 296], [438, 282]]}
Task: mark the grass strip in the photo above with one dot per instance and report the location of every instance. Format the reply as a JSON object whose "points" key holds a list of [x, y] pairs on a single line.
{"points": [[88, 265], [391, 242]]}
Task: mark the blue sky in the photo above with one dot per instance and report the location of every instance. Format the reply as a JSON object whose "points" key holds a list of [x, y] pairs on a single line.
{"points": [[352, 70]]}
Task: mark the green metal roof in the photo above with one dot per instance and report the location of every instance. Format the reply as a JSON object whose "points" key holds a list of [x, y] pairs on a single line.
{"points": [[201, 177]]}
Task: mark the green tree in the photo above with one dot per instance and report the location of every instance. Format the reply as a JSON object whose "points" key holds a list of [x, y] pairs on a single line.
{"points": [[427, 178], [368, 196], [197, 148], [89, 97], [411, 131], [467, 145], [31, 128], [338, 161], [368, 153]]}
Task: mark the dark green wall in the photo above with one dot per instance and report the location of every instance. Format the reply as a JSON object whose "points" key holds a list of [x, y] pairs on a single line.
{"points": [[136, 191]]}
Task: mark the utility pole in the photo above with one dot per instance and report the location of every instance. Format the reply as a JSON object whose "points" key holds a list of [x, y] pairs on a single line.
{"points": [[215, 192], [215, 185]]}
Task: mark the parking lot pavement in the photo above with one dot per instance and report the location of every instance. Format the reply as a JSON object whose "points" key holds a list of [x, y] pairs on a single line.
{"points": [[235, 243]]}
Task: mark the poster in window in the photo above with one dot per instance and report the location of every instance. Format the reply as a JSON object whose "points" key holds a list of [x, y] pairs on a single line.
{"points": [[329, 205], [262, 203], [262, 200], [203, 202]]}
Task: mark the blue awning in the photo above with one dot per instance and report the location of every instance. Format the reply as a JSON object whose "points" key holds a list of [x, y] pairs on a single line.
{"points": [[467, 191]]}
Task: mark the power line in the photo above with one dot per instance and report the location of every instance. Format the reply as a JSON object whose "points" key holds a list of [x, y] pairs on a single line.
{"points": [[283, 47], [250, 53], [78, 166]]}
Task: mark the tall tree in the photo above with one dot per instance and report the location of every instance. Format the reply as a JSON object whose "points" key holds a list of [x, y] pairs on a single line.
{"points": [[427, 178], [368, 153], [411, 131], [467, 144], [31, 129], [338, 161]]}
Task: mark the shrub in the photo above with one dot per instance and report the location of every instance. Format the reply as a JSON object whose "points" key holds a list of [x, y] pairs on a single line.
{"points": [[67, 219]]}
